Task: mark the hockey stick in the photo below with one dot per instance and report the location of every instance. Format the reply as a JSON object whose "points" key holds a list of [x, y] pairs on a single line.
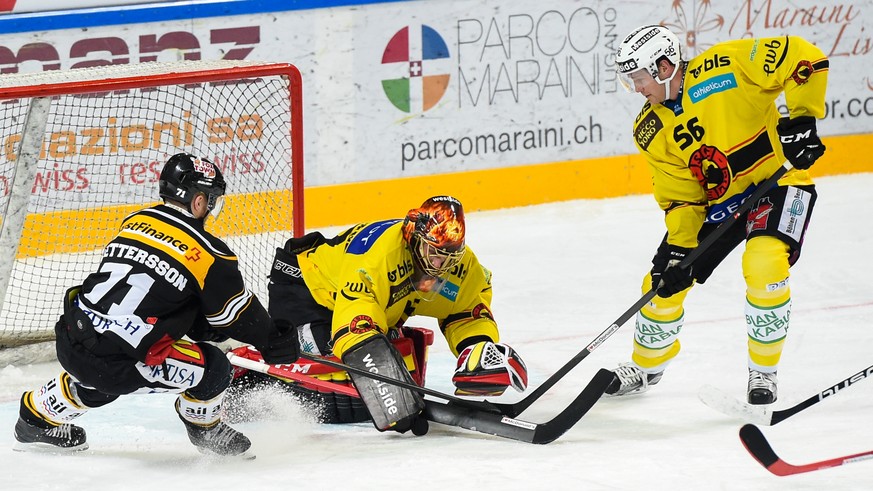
{"points": [[517, 408], [476, 405], [463, 416], [762, 415], [515, 429], [287, 373], [757, 445], [282, 372]]}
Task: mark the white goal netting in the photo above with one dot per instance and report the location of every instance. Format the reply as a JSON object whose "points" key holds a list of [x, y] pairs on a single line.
{"points": [[80, 149]]}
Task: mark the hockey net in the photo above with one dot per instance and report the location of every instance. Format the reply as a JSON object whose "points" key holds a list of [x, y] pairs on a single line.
{"points": [[83, 148]]}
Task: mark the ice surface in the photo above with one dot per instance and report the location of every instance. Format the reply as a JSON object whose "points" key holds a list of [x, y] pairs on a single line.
{"points": [[562, 273]]}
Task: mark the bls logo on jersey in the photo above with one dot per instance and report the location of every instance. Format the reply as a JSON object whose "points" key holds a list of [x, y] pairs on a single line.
{"points": [[400, 271], [717, 61]]}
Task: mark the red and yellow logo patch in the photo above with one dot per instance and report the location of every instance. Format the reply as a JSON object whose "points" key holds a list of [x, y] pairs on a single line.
{"points": [[802, 72], [361, 324]]}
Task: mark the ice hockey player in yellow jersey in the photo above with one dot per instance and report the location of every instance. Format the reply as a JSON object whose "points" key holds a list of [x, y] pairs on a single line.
{"points": [[711, 132], [348, 295]]}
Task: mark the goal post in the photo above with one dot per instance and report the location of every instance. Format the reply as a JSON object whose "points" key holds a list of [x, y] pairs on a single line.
{"points": [[80, 149]]}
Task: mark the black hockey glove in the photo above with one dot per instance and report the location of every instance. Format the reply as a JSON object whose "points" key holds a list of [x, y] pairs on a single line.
{"points": [[800, 142], [285, 269], [202, 331], [667, 278], [282, 346]]}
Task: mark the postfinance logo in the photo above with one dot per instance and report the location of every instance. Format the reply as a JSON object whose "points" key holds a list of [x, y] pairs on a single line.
{"points": [[417, 60]]}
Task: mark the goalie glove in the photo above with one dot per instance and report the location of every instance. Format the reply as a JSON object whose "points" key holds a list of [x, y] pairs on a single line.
{"points": [[487, 369]]}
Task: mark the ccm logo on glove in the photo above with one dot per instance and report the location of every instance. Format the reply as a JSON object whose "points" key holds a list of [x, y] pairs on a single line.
{"points": [[800, 142]]}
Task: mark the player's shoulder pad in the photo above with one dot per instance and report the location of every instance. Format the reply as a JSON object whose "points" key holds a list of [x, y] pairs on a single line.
{"points": [[166, 225], [713, 71], [766, 54], [715, 59], [364, 237], [646, 126], [470, 262]]}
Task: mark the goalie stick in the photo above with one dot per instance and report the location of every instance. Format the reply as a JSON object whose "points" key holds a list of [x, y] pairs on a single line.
{"points": [[280, 370], [763, 415], [463, 416], [508, 427], [757, 445], [287, 374], [517, 408], [476, 405]]}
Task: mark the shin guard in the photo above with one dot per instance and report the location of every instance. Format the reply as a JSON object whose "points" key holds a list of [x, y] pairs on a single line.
{"points": [[656, 340], [201, 413], [767, 328], [56, 402], [390, 406]]}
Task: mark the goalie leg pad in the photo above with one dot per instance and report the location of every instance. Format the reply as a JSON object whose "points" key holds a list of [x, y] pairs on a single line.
{"points": [[419, 340], [391, 407]]}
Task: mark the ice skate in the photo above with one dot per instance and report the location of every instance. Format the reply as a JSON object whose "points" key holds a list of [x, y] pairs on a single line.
{"points": [[629, 379], [43, 437], [34, 433], [218, 439], [762, 387]]}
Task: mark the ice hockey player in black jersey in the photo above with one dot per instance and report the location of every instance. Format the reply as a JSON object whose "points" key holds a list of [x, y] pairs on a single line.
{"points": [[163, 282]]}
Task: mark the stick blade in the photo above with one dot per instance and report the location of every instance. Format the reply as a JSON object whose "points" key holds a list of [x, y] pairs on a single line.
{"points": [[725, 404], [552, 430], [756, 444], [515, 429]]}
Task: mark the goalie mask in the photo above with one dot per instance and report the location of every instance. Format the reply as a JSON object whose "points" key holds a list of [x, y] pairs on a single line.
{"points": [[184, 175], [435, 234], [640, 52]]}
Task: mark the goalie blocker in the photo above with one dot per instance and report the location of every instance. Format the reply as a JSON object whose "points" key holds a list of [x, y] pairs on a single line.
{"points": [[328, 407], [391, 407]]}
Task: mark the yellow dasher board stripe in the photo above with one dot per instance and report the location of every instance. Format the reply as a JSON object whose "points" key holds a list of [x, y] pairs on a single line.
{"points": [[481, 190], [73, 231]]}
